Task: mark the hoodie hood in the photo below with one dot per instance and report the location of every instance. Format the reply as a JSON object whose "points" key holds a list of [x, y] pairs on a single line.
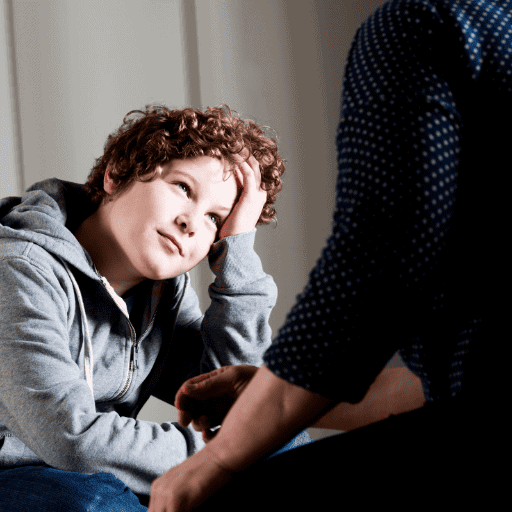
{"points": [[47, 214]]}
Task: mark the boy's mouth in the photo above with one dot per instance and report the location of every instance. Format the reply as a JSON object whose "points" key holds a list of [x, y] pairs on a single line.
{"points": [[173, 240]]}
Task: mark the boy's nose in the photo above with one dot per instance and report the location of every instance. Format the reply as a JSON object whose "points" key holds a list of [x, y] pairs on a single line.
{"points": [[187, 223]]}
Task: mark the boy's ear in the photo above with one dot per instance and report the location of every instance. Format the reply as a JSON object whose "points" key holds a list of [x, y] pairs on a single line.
{"points": [[108, 184]]}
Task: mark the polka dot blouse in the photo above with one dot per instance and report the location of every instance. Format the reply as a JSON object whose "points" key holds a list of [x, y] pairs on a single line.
{"points": [[424, 84]]}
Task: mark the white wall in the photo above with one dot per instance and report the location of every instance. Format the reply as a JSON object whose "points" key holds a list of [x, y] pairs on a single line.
{"points": [[281, 63], [11, 182], [72, 69], [81, 66]]}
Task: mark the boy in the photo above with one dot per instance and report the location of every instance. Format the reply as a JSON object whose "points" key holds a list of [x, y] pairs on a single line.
{"points": [[96, 313]]}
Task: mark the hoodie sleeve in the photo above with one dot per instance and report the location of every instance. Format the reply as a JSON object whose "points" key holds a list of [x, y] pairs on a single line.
{"points": [[45, 401], [235, 328]]}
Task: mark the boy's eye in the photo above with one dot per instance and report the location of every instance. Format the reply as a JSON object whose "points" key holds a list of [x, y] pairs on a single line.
{"points": [[184, 187], [214, 219]]}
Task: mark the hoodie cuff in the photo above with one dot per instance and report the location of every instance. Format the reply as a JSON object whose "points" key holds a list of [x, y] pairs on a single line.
{"points": [[234, 261]]}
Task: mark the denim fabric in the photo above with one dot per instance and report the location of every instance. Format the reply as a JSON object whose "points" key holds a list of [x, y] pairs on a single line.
{"points": [[44, 489], [299, 440]]}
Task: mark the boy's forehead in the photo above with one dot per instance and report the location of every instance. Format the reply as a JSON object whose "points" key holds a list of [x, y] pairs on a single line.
{"points": [[205, 166]]}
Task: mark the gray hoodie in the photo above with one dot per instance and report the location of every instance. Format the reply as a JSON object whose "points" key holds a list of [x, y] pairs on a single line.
{"points": [[75, 370]]}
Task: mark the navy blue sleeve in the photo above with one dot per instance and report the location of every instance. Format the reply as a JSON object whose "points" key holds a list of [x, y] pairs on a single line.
{"points": [[399, 149]]}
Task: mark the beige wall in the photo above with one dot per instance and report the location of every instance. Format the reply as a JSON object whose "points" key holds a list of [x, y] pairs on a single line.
{"points": [[10, 169], [70, 70]]}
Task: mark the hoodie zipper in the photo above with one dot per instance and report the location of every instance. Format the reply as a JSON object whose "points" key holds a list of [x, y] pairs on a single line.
{"points": [[151, 377], [134, 350], [131, 367]]}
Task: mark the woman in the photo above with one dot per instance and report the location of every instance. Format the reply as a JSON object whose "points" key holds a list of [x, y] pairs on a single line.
{"points": [[415, 264]]}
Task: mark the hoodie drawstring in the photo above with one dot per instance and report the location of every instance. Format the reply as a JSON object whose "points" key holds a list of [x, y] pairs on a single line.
{"points": [[88, 361]]}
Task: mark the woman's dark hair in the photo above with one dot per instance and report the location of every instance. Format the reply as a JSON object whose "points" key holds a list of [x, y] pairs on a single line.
{"points": [[151, 138]]}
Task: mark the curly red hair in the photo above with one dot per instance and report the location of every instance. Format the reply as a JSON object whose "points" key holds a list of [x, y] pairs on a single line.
{"points": [[151, 138]]}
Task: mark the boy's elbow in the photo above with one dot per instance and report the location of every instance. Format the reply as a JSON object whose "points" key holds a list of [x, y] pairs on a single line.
{"points": [[72, 454]]}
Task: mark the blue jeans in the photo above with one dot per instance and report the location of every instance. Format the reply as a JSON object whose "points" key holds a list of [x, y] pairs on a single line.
{"points": [[298, 440], [44, 489]]}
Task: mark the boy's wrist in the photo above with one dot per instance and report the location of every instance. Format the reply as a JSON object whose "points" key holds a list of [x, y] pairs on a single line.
{"points": [[235, 254], [225, 237]]}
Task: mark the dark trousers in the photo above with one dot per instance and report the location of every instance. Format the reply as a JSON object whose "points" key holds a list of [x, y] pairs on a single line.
{"points": [[433, 457]]}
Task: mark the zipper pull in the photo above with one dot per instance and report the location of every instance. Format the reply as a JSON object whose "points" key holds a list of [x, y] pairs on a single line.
{"points": [[136, 356]]}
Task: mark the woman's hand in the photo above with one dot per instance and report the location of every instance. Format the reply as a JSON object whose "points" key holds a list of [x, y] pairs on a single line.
{"points": [[248, 208], [205, 400], [267, 413], [185, 486]]}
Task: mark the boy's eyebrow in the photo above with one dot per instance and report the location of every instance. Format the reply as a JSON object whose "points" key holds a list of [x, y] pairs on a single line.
{"points": [[219, 207]]}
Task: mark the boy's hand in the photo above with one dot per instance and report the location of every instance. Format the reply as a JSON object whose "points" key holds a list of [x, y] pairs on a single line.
{"points": [[247, 210], [205, 400]]}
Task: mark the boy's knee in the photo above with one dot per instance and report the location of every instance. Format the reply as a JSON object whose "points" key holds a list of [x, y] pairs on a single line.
{"points": [[103, 491], [46, 489]]}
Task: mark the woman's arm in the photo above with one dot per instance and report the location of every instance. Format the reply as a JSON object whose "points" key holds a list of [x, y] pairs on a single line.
{"points": [[267, 413], [394, 391], [205, 400]]}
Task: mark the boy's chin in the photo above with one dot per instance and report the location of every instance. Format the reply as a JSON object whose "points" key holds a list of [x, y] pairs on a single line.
{"points": [[157, 275]]}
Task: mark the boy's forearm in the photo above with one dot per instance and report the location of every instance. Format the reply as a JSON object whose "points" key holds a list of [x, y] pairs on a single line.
{"points": [[394, 391], [236, 326]]}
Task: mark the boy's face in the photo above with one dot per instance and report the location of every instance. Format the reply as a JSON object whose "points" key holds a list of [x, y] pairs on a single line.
{"points": [[165, 227]]}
